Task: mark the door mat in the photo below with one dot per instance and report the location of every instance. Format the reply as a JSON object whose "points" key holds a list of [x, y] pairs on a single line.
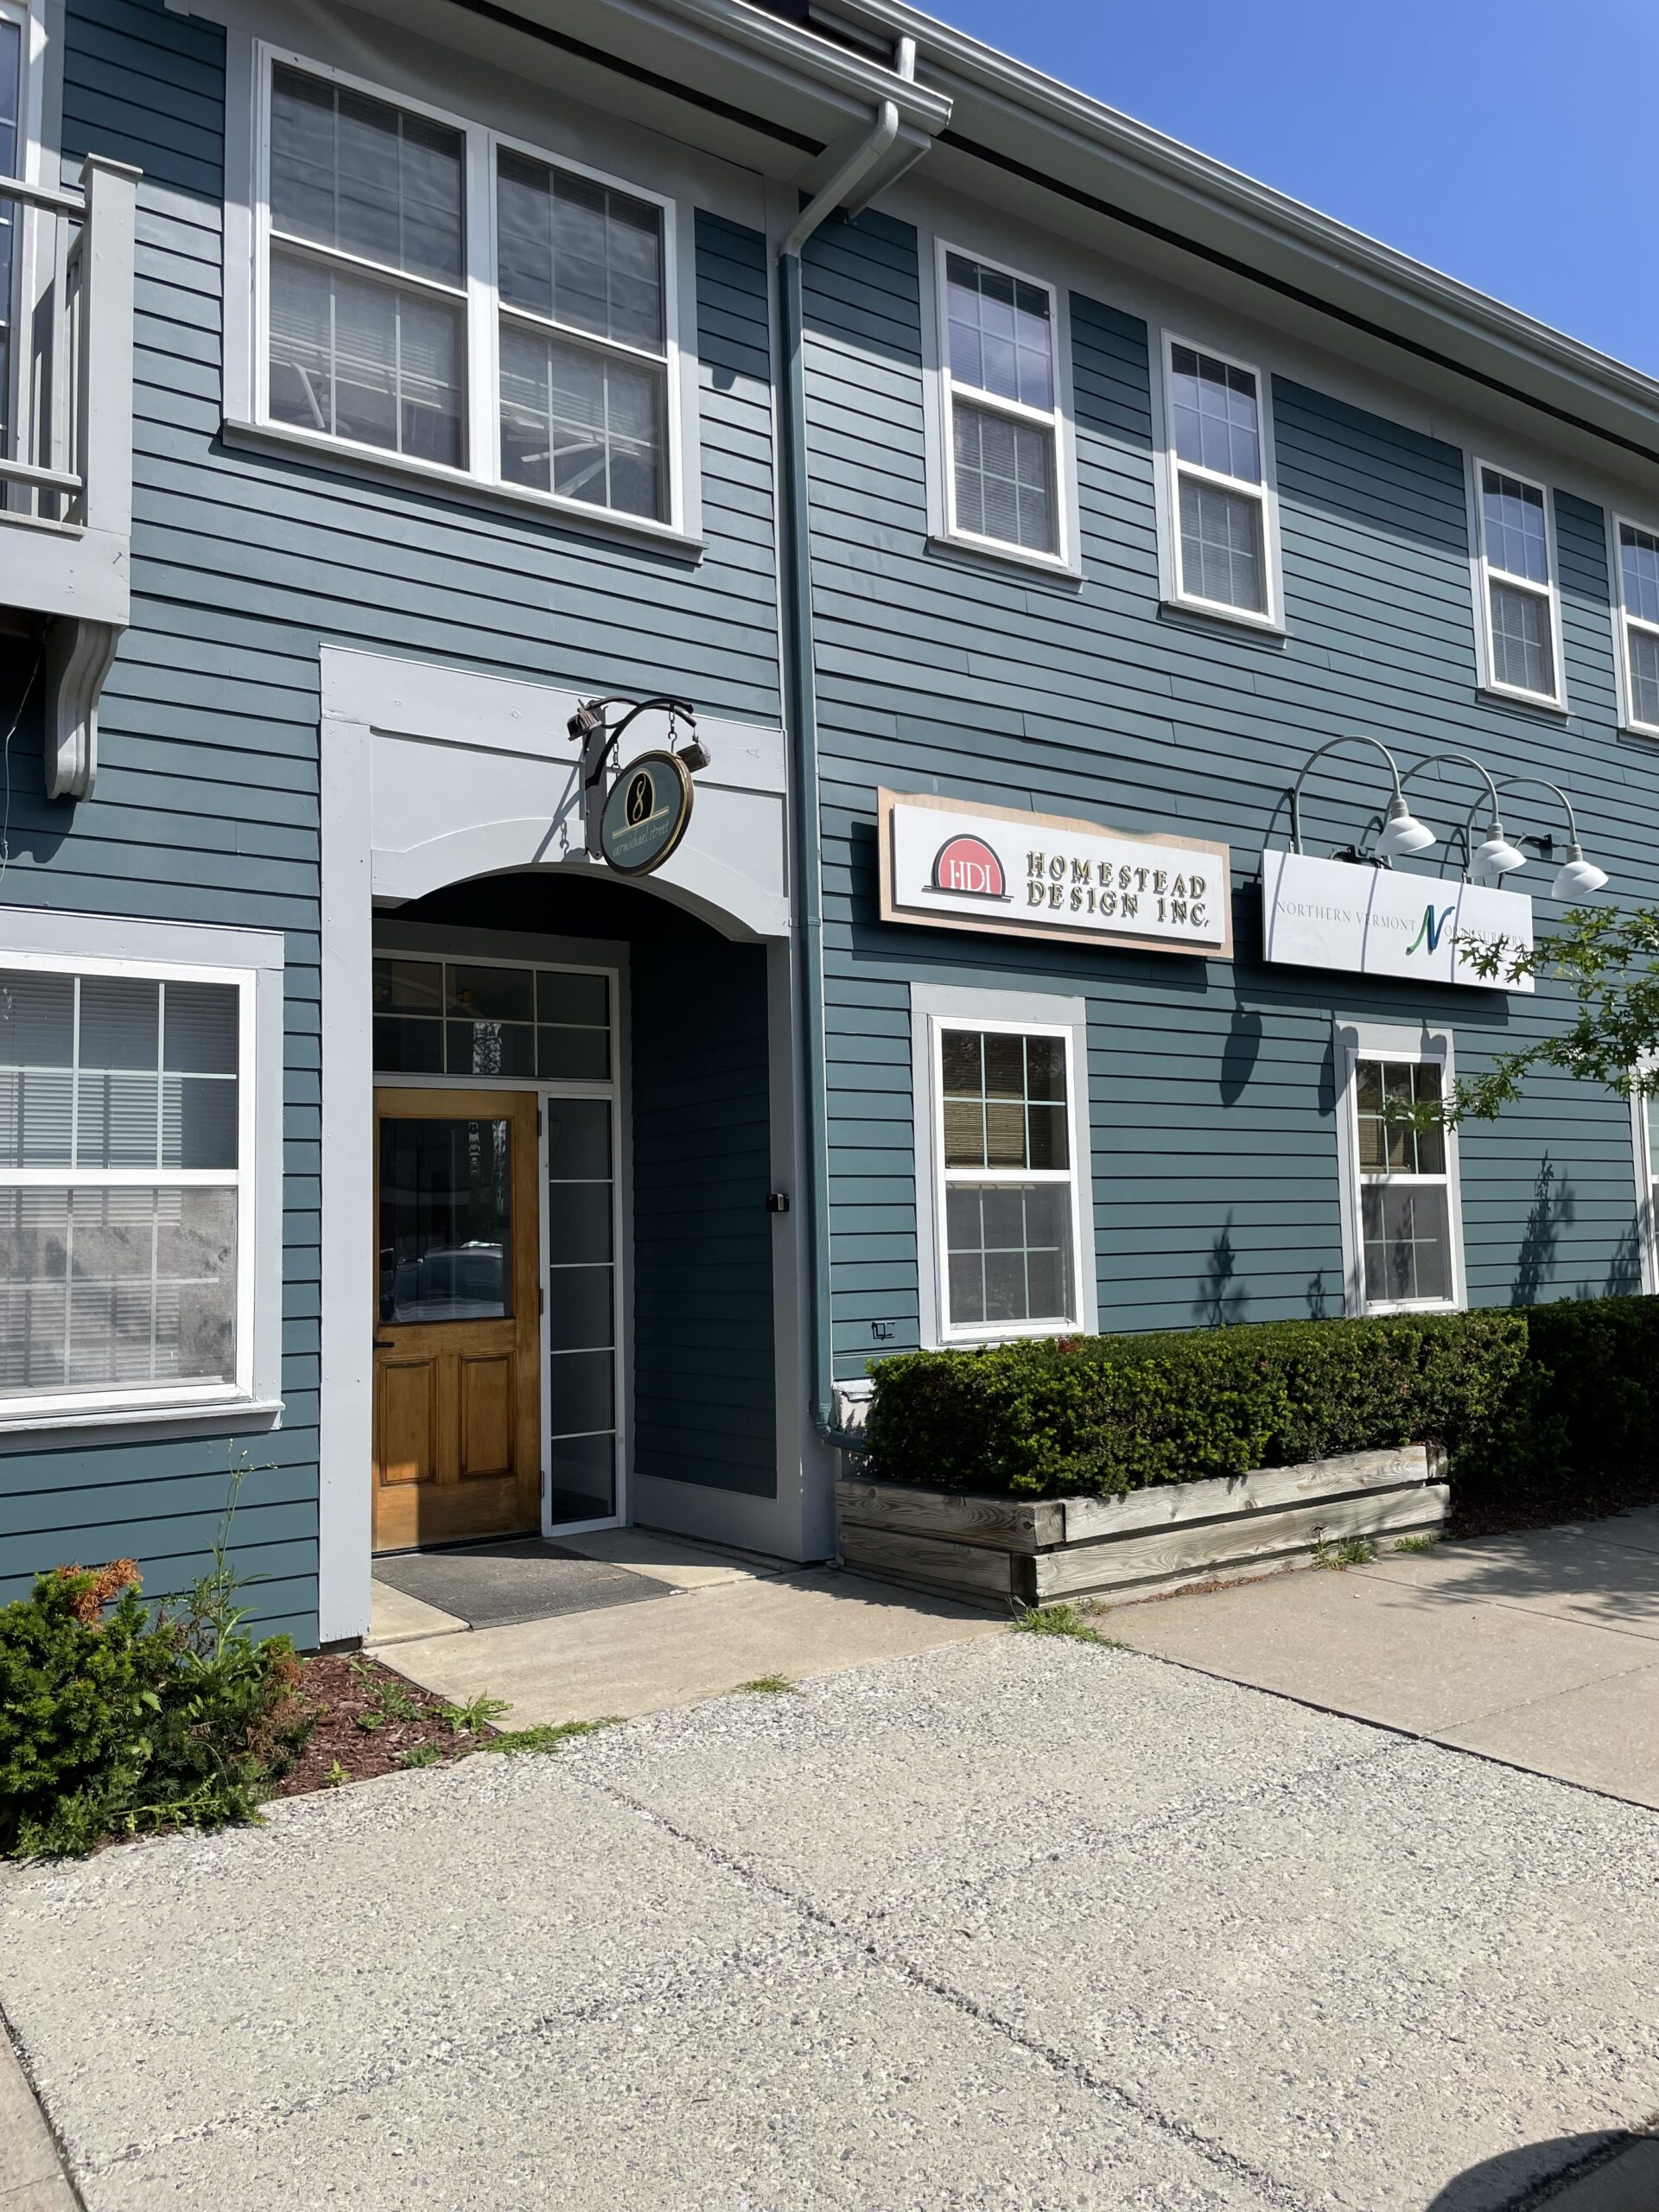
{"points": [[522, 1578]]}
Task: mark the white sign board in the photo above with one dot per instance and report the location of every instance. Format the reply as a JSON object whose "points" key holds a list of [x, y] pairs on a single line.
{"points": [[1379, 921], [955, 865]]}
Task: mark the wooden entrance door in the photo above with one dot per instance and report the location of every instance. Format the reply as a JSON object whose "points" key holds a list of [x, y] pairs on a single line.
{"points": [[457, 1354]]}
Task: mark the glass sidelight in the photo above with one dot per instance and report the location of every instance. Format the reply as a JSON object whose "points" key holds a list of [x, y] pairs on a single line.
{"points": [[581, 1318]]}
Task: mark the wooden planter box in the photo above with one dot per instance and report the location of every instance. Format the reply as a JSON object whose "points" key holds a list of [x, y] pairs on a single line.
{"points": [[1003, 1550]]}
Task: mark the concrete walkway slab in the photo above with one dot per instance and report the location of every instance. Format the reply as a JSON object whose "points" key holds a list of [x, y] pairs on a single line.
{"points": [[1379, 1649], [1605, 1734], [676, 1560], [396, 1618], [1184, 1948], [636, 1659], [1578, 1574], [1536, 1648]]}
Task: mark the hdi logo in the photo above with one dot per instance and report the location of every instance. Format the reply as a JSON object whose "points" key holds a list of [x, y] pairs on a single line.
{"points": [[1433, 926]]}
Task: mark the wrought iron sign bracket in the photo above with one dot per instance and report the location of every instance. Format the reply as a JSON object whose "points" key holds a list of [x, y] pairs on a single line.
{"points": [[599, 739]]}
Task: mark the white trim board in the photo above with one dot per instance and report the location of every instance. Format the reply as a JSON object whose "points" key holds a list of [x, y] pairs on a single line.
{"points": [[1353, 1041], [254, 960], [931, 1005]]}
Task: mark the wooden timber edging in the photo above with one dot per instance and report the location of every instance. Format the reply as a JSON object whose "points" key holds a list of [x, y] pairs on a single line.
{"points": [[1029, 1551]]}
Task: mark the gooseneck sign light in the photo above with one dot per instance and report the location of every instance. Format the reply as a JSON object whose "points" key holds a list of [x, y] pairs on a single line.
{"points": [[1403, 833]]}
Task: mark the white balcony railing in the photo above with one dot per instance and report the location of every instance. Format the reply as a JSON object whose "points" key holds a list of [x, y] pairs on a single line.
{"points": [[66, 440]]}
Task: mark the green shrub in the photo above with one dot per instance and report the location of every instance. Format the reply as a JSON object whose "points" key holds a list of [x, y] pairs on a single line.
{"points": [[1584, 1412], [1100, 1415], [116, 1720]]}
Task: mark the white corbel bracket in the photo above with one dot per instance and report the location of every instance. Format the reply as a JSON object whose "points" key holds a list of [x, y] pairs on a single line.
{"points": [[78, 657]]}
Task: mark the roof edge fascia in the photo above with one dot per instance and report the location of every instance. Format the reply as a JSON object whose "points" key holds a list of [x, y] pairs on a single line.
{"points": [[1025, 96]]}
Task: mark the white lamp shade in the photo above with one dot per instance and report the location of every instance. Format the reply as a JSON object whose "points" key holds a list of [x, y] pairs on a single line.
{"points": [[1496, 856], [1578, 876], [1403, 833]]}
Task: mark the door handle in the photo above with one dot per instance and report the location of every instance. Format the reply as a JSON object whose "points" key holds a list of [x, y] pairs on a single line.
{"points": [[385, 1343]]}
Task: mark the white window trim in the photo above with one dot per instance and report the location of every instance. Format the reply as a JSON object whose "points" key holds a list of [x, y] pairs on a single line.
{"points": [[247, 278], [1624, 621], [1362, 1040], [251, 961], [934, 1008], [1645, 1166], [1171, 469], [1482, 573], [942, 527]]}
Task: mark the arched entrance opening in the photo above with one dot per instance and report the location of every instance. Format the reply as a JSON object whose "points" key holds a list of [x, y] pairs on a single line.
{"points": [[578, 1286]]}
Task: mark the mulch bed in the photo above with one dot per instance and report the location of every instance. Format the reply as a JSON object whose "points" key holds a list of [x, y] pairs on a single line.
{"points": [[372, 1721], [1593, 1498]]}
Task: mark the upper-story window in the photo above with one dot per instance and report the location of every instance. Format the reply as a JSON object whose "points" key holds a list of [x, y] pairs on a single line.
{"points": [[583, 338], [1639, 619], [368, 270], [1224, 521], [432, 292], [1006, 464], [1519, 608]]}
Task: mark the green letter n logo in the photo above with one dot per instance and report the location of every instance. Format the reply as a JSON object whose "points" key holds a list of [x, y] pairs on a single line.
{"points": [[1433, 924]]}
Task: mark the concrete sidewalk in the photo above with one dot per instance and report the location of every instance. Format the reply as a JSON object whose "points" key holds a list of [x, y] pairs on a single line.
{"points": [[734, 1617], [1540, 1649], [1021, 1923]]}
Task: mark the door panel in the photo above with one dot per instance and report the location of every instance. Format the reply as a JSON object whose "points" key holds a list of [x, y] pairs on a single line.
{"points": [[405, 1417], [486, 1406], [457, 1433]]}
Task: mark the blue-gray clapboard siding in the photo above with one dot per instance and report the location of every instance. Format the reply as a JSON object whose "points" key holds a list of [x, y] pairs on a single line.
{"points": [[1214, 1149], [206, 809]]}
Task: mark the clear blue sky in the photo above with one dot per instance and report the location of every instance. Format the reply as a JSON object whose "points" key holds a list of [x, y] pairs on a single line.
{"points": [[1510, 142]]}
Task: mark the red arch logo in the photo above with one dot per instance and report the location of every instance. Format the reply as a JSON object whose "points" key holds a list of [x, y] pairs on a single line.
{"points": [[968, 869]]}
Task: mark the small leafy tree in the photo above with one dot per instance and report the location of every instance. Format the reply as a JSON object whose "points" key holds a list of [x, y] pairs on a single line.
{"points": [[1611, 960]]}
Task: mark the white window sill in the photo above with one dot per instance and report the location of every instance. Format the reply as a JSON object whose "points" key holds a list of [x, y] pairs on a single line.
{"points": [[1384, 1311], [1235, 617], [990, 550], [456, 484], [1650, 730], [1505, 695], [164, 1419], [975, 1339]]}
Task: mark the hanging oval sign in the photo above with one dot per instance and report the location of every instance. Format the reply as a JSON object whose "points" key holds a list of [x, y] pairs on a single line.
{"points": [[645, 814]]}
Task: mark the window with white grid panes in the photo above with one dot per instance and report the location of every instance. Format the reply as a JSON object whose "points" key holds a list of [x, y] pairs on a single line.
{"points": [[391, 306], [1220, 483], [1009, 1261], [125, 1233], [1520, 606], [1638, 607], [1407, 1192], [1003, 426]]}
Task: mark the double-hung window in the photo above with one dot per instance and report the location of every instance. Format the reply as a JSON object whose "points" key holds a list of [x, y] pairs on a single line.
{"points": [[1520, 606], [1006, 466], [126, 1141], [1639, 619], [1005, 1147], [1223, 525], [433, 294], [584, 339], [1401, 1220]]}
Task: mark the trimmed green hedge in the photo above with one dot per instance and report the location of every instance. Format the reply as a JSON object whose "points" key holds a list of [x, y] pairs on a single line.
{"points": [[1074, 1416]]}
